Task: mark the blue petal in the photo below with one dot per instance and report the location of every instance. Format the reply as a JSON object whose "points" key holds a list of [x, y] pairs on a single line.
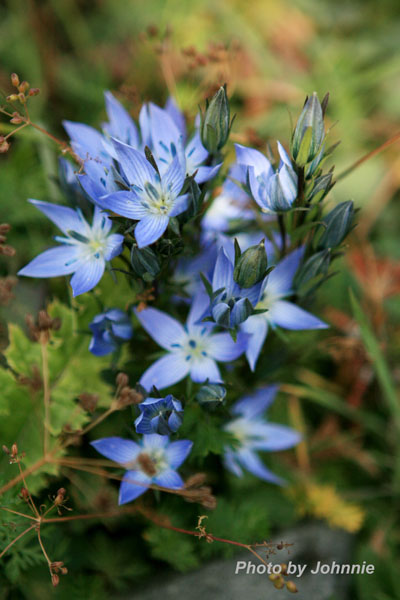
{"points": [[289, 316], [65, 218], [162, 127], [150, 229], [117, 449], [222, 347], [101, 347], [86, 140], [121, 124], [203, 369], [230, 462], [253, 464], [223, 273], [252, 158], [280, 280], [87, 275], [122, 330], [61, 260], [165, 372], [176, 115], [165, 330], [180, 204], [277, 437], [199, 305], [124, 203], [285, 158], [135, 165], [169, 479], [114, 246], [174, 177], [206, 173], [257, 403], [174, 421], [155, 441], [177, 452], [257, 328], [129, 489]]}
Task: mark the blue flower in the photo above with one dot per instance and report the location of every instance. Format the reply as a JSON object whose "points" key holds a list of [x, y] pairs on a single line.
{"points": [[234, 304], [193, 349], [153, 461], [275, 287], [164, 131], [273, 190], [84, 250], [110, 329], [159, 415], [152, 199], [252, 433]]}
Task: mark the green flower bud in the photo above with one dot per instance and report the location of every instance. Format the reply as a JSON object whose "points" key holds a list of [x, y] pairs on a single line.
{"points": [[145, 262], [317, 264], [251, 266], [338, 223], [309, 133], [211, 394], [215, 123]]}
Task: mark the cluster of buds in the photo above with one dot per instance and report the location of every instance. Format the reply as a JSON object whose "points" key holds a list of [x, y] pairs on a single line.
{"points": [[125, 395], [57, 568], [60, 499], [278, 579], [5, 249], [211, 395], [40, 330], [12, 453], [194, 490], [24, 90]]}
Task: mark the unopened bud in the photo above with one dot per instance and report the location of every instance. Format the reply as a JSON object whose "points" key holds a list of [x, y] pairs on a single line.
{"points": [[251, 266], [291, 587], [14, 79], [215, 122], [7, 250], [5, 449], [309, 133], [17, 119], [12, 98], [14, 450], [22, 98], [23, 87], [24, 494], [55, 580], [279, 583], [338, 223], [211, 394], [4, 146], [122, 380], [5, 227], [34, 92], [145, 262]]}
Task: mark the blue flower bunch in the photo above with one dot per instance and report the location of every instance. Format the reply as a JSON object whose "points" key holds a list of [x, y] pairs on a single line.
{"points": [[217, 257]]}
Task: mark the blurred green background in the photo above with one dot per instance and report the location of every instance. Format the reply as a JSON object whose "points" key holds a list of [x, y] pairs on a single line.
{"points": [[271, 53]]}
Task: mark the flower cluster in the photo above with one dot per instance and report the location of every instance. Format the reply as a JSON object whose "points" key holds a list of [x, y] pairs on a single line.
{"points": [[230, 254]]}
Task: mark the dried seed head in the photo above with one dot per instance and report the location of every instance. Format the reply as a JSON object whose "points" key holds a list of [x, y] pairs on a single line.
{"points": [[5, 249], [195, 480], [34, 92], [4, 146], [5, 449], [4, 227], [23, 87], [122, 380], [55, 580], [14, 450], [88, 401]]}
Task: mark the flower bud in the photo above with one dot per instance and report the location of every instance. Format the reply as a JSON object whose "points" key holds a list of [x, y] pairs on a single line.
{"points": [[291, 587], [338, 223], [12, 98], [4, 146], [309, 133], [145, 262], [215, 123], [23, 87], [34, 92], [211, 394], [22, 97], [251, 266], [14, 79]]}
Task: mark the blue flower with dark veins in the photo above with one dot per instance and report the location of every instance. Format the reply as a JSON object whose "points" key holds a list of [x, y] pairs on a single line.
{"points": [[253, 433], [110, 329], [84, 248], [153, 461], [159, 415]]}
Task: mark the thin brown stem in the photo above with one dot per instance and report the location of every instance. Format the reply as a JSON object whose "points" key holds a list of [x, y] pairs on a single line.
{"points": [[8, 486], [43, 548], [15, 512], [30, 499], [16, 539], [46, 396], [371, 154]]}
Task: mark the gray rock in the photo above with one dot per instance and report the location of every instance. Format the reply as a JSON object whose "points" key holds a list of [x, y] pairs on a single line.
{"points": [[217, 580]]}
